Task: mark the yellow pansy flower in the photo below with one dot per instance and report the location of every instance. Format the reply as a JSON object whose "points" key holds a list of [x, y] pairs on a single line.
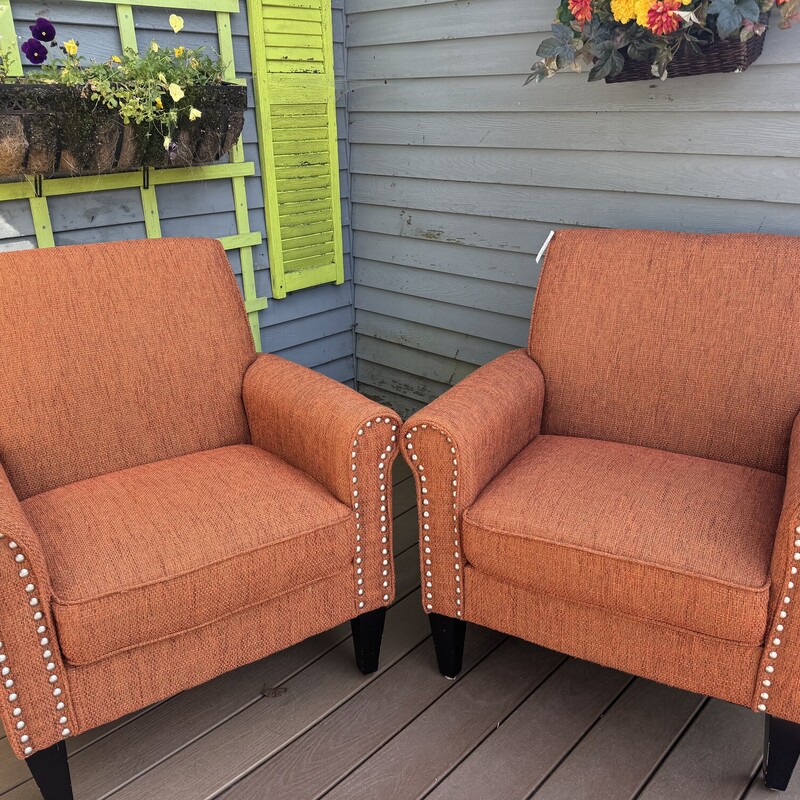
{"points": [[159, 103], [175, 92], [179, 51], [71, 47], [176, 22], [116, 59], [194, 114], [154, 46]]}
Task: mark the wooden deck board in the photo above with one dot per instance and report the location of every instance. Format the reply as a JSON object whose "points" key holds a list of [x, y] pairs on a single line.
{"points": [[555, 717], [425, 751], [617, 756], [717, 757], [317, 761], [520, 722]]}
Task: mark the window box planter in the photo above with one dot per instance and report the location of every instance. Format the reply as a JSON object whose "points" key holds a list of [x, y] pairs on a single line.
{"points": [[54, 131]]}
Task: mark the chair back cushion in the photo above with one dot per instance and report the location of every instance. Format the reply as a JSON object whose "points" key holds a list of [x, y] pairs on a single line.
{"points": [[115, 355], [683, 342]]}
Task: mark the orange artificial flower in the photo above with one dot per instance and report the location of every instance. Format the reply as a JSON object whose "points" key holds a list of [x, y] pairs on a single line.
{"points": [[661, 18], [581, 9]]}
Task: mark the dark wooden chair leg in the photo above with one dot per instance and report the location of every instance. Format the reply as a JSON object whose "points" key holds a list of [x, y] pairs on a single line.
{"points": [[367, 635], [50, 770], [448, 639], [781, 750]]}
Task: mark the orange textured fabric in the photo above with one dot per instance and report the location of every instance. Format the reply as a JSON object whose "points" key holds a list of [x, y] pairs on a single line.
{"points": [[143, 360], [681, 342], [343, 440], [166, 549], [455, 446], [30, 687], [170, 546], [674, 656], [669, 538], [109, 689], [777, 689]]}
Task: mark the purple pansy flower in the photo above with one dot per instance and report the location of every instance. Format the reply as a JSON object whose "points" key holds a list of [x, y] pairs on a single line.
{"points": [[43, 30], [34, 51]]}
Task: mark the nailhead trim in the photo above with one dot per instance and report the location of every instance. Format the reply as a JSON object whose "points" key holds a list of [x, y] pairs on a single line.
{"points": [[777, 636], [44, 643], [359, 559], [425, 512]]}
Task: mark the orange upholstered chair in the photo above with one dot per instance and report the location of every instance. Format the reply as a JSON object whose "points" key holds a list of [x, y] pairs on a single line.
{"points": [[627, 489], [172, 505]]}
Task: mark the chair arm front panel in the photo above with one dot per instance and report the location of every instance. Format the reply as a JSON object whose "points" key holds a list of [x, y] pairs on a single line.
{"points": [[344, 441], [455, 446], [777, 688], [34, 698]]}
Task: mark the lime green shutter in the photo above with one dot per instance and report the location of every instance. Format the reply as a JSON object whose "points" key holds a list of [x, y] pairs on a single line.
{"points": [[292, 52]]}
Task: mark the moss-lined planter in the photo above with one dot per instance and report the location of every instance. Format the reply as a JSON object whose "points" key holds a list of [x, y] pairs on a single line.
{"points": [[53, 131]]}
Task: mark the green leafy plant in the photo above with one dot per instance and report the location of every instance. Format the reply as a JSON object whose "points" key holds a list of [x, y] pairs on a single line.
{"points": [[154, 89]]}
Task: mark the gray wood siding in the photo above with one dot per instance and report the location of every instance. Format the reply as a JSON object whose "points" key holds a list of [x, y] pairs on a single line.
{"points": [[459, 172], [313, 326]]}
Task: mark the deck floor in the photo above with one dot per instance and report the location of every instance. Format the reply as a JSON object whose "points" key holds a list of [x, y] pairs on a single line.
{"points": [[520, 722]]}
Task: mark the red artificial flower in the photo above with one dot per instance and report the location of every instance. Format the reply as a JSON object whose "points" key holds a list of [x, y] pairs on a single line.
{"points": [[661, 18], [581, 9]]}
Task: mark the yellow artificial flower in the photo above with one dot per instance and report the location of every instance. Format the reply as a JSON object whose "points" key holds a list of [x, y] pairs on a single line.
{"points": [[194, 114], [176, 23], [623, 10], [116, 59], [159, 103], [627, 10], [154, 46], [175, 92], [179, 51], [167, 142], [71, 47]]}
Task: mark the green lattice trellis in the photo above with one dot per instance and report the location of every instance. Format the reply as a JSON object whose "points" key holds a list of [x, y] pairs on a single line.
{"points": [[38, 192]]}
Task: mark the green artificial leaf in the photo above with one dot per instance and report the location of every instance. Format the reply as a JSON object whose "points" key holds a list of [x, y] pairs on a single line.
{"points": [[564, 33], [559, 46], [749, 9], [539, 72], [564, 15], [597, 31], [731, 13], [609, 61], [640, 50]]}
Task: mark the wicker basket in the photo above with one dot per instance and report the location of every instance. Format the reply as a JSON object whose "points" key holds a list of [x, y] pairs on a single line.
{"points": [[52, 131], [726, 55]]}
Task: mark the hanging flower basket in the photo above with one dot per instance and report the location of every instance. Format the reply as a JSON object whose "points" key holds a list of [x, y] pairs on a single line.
{"points": [[54, 130], [638, 40], [721, 55]]}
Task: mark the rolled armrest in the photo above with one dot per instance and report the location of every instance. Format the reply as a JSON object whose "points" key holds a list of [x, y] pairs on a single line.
{"points": [[455, 446], [34, 700], [341, 439], [779, 671]]}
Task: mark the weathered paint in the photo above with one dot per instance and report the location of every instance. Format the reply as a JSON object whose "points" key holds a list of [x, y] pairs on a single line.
{"points": [[459, 172], [292, 54]]}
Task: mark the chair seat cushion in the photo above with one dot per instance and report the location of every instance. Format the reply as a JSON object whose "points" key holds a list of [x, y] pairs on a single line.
{"points": [[150, 552], [676, 539]]}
